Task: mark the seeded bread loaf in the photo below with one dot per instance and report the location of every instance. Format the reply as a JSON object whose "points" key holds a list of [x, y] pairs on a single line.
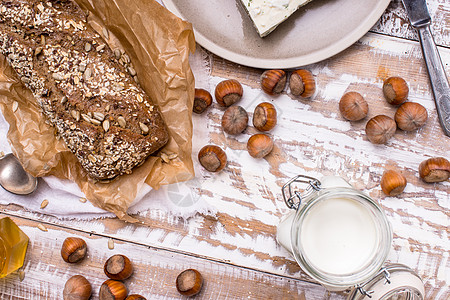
{"points": [[85, 90]]}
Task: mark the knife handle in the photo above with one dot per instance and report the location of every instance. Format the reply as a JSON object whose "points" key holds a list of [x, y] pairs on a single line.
{"points": [[438, 78]]}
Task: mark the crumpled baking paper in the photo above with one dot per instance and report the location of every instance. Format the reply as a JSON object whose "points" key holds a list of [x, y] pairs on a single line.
{"points": [[158, 44]]}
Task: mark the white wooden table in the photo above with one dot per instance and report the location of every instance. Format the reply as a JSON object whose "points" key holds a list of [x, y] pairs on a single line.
{"points": [[235, 249]]}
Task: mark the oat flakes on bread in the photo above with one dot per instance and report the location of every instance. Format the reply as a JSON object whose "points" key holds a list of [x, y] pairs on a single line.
{"points": [[84, 88]]}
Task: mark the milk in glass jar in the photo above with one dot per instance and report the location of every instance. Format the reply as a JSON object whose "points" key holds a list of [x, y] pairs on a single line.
{"points": [[341, 237]]}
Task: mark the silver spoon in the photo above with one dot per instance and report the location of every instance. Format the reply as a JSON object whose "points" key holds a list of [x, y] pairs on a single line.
{"points": [[14, 178]]}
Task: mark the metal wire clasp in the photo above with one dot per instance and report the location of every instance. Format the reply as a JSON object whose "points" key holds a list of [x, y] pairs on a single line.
{"points": [[361, 287], [289, 194]]}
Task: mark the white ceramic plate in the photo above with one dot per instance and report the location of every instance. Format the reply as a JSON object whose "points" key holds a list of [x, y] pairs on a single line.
{"points": [[315, 32]]}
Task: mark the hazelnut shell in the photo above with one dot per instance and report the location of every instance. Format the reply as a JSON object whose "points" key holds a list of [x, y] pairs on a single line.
{"points": [[212, 158], [395, 90], [353, 107], [234, 120], [273, 81], [73, 249], [202, 100], [380, 129], [259, 145], [228, 92], [77, 288], [302, 83], [118, 267], [392, 183], [113, 290], [410, 116], [189, 282], [265, 116], [435, 169]]}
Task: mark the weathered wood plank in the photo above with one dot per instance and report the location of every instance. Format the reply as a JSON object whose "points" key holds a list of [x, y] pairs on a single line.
{"points": [[395, 22], [155, 271]]}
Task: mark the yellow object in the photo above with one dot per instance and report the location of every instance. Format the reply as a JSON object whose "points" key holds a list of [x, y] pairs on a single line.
{"points": [[13, 246]]}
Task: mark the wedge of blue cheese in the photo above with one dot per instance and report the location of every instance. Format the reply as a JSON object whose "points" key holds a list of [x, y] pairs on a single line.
{"points": [[268, 14]]}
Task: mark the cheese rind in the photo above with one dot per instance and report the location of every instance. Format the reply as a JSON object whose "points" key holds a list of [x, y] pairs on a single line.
{"points": [[268, 14]]}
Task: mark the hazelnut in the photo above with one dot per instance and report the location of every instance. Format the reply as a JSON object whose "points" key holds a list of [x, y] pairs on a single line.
{"points": [[380, 129], [259, 145], [189, 282], [228, 92], [212, 158], [135, 297], [434, 169], [202, 100], [73, 249], [353, 107], [302, 83], [273, 81], [118, 267], [234, 120], [112, 290], [395, 90], [410, 116], [77, 288], [265, 116], [392, 183]]}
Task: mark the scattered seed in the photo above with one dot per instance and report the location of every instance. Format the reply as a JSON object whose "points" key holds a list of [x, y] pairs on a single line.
{"points": [[110, 244], [42, 227], [87, 74], [96, 122], [99, 116], [44, 204], [87, 47], [100, 48], [92, 158], [143, 127], [132, 71], [117, 54], [83, 200], [75, 114], [58, 76], [173, 156], [122, 122], [21, 275], [86, 118], [15, 106], [38, 51], [105, 33], [105, 125], [165, 157], [2, 154]]}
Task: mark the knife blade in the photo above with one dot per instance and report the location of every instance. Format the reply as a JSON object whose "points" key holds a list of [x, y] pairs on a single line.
{"points": [[420, 19]]}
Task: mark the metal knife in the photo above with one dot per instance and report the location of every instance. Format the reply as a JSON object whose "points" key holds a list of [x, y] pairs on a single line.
{"points": [[420, 19]]}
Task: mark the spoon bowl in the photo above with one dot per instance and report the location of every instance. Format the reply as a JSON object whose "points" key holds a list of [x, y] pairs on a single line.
{"points": [[14, 178]]}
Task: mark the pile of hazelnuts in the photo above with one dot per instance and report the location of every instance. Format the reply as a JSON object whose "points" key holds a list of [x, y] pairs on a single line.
{"points": [[409, 116], [235, 118], [118, 268]]}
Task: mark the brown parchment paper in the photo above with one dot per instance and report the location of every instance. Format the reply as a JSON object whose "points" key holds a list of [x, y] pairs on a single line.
{"points": [[158, 44]]}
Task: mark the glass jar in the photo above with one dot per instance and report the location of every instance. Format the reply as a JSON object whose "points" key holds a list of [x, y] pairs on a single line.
{"points": [[338, 235]]}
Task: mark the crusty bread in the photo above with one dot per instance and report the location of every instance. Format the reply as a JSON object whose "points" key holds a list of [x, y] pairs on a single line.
{"points": [[85, 90]]}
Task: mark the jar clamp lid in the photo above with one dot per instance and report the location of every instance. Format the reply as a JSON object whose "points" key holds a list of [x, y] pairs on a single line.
{"points": [[395, 281]]}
